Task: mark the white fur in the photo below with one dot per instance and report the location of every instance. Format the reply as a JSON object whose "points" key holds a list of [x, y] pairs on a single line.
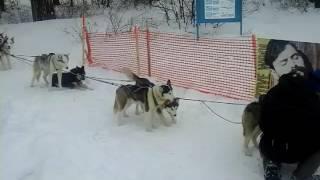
{"points": [[149, 115]]}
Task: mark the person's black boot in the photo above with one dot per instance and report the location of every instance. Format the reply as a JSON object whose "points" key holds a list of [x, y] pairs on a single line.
{"points": [[271, 170]]}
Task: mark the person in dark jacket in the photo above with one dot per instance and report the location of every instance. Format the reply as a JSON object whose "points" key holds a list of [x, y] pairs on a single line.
{"points": [[290, 122]]}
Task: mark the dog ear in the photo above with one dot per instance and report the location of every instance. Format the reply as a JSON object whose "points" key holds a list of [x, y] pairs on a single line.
{"points": [[169, 84]]}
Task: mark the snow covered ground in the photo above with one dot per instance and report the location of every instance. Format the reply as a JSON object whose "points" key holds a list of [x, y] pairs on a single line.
{"points": [[70, 134]]}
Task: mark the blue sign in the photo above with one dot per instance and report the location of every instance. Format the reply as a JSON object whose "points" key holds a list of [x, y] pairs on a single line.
{"points": [[215, 11]]}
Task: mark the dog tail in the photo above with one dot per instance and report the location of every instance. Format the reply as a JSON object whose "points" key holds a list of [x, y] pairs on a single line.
{"points": [[130, 74]]}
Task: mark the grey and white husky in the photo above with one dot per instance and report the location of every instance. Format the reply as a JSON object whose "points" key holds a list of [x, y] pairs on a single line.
{"points": [[250, 123], [170, 107], [153, 100], [49, 64], [5, 47]]}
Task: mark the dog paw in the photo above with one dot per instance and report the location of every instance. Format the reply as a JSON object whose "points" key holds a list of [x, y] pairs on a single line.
{"points": [[154, 126], [137, 113], [247, 152], [174, 121], [120, 123]]}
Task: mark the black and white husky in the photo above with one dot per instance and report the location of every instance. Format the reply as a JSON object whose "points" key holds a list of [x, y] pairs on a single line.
{"points": [[49, 64], [153, 100], [71, 79], [5, 47]]}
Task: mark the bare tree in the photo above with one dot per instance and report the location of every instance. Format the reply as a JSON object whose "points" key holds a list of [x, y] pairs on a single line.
{"points": [[116, 20], [42, 9], [182, 11]]}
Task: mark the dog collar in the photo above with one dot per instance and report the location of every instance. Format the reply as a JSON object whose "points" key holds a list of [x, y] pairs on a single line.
{"points": [[154, 98]]}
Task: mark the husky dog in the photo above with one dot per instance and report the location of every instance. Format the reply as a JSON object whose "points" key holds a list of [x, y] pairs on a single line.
{"points": [[71, 79], [251, 129], [153, 100], [171, 108], [5, 47], [49, 63]]}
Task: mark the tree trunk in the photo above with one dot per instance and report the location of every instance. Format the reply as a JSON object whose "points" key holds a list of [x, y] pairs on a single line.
{"points": [[42, 10], [56, 2], [34, 7], [2, 6], [317, 3]]}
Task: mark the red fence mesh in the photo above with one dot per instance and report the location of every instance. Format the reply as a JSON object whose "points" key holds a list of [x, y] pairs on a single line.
{"points": [[219, 66]]}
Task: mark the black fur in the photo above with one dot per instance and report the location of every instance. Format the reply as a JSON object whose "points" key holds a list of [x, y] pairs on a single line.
{"points": [[137, 93], [290, 121], [166, 88], [142, 82], [70, 79], [174, 103]]}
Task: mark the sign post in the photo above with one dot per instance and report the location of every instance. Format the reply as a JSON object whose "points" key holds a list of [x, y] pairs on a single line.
{"points": [[216, 11]]}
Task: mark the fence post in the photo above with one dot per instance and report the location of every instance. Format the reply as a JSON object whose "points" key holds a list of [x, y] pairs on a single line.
{"points": [[89, 55], [85, 39], [255, 59], [137, 48], [254, 46], [148, 51]]}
